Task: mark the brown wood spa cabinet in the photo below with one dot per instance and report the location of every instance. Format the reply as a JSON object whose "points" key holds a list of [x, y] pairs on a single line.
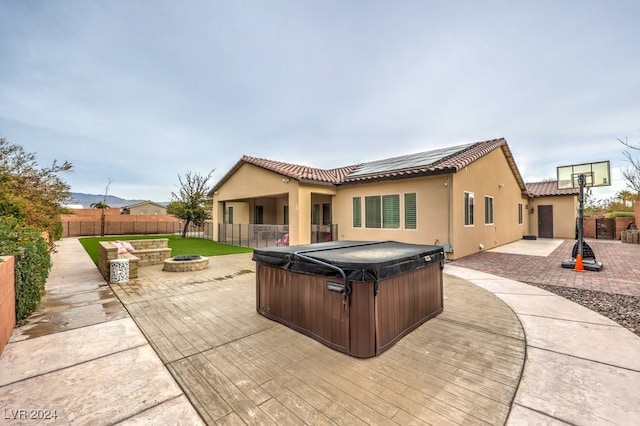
{"points": [[355, 297]]}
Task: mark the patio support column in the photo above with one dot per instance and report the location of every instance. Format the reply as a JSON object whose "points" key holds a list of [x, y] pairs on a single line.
{"points": [[300, 216], [217, 217]]}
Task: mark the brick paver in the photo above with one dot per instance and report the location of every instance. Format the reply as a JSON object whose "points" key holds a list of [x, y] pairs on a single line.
{"points": [[620, 274]]}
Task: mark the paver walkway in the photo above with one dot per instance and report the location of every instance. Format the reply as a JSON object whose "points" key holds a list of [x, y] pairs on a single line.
{"points": [[620, 274], [81, 359]]}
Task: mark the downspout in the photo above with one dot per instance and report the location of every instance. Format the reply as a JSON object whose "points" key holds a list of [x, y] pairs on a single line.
{"points": [[449, 212]]}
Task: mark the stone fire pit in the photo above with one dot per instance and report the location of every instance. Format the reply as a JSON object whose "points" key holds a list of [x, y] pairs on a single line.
{"points": [[186, 263]]}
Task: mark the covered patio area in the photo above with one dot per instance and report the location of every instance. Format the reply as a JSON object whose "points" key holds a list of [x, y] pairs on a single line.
{"points": [[265, 221]]}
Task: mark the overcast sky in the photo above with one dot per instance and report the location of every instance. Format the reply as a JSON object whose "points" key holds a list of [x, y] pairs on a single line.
{"points": [[141, 91]]}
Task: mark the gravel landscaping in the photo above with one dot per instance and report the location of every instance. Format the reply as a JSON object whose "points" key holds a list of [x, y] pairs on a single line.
{"points": [[623, 309]]}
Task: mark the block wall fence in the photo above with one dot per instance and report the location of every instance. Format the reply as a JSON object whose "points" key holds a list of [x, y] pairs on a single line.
{"points": [[7, 299], [87, 222], [620, 224]]}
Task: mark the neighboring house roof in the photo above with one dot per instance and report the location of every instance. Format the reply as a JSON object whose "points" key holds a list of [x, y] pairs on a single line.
{"points": [[143, 203], [434, 162], [549, 189]]}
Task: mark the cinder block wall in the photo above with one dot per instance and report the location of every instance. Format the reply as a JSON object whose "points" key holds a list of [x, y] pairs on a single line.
{"points": [[7, 299], [589, 227]]}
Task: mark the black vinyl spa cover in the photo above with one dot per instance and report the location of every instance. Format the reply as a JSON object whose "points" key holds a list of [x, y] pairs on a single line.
{"points": [[360, 261]]}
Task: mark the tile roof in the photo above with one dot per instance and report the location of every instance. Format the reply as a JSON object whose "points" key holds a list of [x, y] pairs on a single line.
{"points": [[549, 188], [434, 162], [439, 161], [300, 172]]}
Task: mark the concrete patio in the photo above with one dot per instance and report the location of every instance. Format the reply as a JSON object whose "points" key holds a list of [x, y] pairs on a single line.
{"points": [[177, 348]]}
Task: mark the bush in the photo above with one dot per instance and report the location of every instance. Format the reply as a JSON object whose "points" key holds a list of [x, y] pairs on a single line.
{"points": [[32, 260], [620, 214]]}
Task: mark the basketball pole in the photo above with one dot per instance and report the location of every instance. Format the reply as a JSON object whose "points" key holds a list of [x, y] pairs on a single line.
{"points": [[582, 180]]}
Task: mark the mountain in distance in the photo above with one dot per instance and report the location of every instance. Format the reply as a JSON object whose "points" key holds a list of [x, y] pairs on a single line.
{"points": [[85, 200]]}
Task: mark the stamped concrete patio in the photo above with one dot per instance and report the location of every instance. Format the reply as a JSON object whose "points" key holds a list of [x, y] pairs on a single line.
{"points": [[463, 367]]}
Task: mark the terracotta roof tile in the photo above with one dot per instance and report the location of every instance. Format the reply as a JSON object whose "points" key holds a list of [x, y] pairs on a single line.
{"points": [[300, 172], [434, 162], [549, 188]]}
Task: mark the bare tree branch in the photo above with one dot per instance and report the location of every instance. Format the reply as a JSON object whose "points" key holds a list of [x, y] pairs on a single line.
{"points": [[631, 174]]}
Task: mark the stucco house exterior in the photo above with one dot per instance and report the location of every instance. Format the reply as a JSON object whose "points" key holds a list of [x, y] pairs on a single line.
{"points": [[466, 198], [552, 210], [144, 208]]}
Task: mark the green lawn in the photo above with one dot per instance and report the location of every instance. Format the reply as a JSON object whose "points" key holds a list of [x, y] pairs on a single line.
{"points": [[178, 245]]}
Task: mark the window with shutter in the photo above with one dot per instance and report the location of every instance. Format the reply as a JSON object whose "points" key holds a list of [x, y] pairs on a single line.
{"points": [[372, 211], [410, 214], [391, 211], [357, 212]]}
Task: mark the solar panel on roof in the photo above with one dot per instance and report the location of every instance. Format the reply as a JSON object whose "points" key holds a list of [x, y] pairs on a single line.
{"points": [[406, 162]]}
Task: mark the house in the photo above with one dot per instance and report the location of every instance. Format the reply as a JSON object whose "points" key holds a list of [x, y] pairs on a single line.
{"points": [[144, 208], [552, 210], [466, 198]]}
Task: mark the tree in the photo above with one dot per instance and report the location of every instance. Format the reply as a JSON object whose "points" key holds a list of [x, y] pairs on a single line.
{"points": [[188, 203], [29, 193], [102, 205], [631, 174], [626, 198], [31, 199]]}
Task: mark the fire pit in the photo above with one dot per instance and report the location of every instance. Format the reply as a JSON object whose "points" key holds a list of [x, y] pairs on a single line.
{"points": [[186, 263], [185, 257]]}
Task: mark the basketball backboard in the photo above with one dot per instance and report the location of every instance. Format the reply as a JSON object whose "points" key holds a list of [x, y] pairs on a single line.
{"points": [[596, 174]]}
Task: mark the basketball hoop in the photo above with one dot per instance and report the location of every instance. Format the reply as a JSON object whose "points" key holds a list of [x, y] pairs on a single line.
{"points": [[596, 174], [583, 176]]}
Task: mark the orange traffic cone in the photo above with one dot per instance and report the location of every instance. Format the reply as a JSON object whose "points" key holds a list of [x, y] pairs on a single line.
{"points": [[579, 266]]}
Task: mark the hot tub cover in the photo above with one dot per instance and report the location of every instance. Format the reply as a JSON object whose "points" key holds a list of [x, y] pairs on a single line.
{"points": [[359, 260]]}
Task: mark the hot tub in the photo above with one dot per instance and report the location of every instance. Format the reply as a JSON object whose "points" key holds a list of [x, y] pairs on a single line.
{"points": [[356, 297]]}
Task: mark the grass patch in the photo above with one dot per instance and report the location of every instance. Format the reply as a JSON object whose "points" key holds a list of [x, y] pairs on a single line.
{"points": [[177, 244]]}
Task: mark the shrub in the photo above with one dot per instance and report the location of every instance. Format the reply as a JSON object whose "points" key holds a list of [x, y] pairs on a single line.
{"points": [[32, 260], [620, 214], [58, 231]]}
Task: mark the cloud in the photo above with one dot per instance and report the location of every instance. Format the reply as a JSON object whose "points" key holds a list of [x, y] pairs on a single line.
{"points": [[142, 91]]}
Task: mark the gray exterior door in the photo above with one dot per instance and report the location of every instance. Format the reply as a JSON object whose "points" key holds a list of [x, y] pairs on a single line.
{"points": [[545, 221]]}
